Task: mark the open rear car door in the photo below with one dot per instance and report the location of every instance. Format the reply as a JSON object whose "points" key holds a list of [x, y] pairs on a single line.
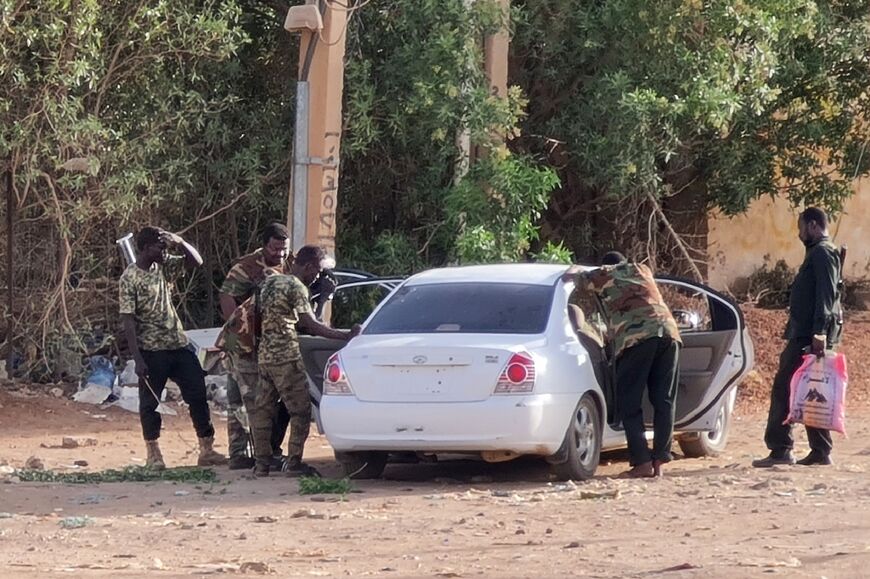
{"points": [[717, 353]]}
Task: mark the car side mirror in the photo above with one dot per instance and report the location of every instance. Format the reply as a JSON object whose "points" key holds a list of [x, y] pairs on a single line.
{"points": [[687, 320]]}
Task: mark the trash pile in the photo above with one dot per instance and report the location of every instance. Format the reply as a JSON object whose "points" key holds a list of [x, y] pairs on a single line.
{"points": [[103, 386]]}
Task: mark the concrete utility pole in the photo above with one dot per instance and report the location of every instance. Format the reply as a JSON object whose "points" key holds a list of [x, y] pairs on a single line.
{"points": [[496, 47], [495, 66], [313, 198]]}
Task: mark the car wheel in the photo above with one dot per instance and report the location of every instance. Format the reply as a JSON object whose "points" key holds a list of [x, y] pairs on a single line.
{"points": [[362, 465], [698, 444], [583, 442]]}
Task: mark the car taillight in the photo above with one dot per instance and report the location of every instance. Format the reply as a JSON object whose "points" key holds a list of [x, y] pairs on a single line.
{"points": [[518, 375], [334, 379]]}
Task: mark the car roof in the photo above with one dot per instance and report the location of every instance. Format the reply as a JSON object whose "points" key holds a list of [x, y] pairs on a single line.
{"points": [[525, 273]]}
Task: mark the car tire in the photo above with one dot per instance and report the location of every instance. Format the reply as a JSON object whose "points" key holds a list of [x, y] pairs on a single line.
{"points": [[711, 443], [362, 465], [582, 441]]}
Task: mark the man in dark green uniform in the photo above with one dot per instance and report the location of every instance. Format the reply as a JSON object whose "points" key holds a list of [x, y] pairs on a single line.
{"points": [[814, 323]]}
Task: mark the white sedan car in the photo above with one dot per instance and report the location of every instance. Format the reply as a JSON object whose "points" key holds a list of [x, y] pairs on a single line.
{"points": [[497, 361]]}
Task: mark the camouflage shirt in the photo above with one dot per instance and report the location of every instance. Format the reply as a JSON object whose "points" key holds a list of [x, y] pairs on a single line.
{"points": [[248, 273], [147, 296], [633, 304], [283, 298]]}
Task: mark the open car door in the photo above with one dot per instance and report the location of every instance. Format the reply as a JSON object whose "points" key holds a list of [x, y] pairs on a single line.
{"points": [[717, 353], [352, 303]]}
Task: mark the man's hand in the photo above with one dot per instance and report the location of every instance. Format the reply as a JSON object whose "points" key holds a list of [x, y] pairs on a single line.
{"points": [[170, 240], [354, 331], [141, 367], [818, 346]]}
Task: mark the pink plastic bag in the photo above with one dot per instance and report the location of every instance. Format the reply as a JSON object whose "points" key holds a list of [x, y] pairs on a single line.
{"points": [[818, 393]]}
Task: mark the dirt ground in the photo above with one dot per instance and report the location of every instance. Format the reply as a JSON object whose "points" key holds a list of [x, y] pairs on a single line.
{"points": [[713, 517]]}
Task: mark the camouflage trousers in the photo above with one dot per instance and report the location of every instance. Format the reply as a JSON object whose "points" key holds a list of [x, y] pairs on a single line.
{"points": [[241, 388], [289, 383]]}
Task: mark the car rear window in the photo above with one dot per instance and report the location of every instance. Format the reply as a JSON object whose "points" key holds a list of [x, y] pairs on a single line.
{"points": [[465, 308]]}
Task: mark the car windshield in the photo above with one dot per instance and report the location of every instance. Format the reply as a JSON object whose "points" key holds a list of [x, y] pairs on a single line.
{"points": [[465, 308]]}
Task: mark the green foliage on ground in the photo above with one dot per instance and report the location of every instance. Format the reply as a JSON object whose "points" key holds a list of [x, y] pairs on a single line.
{"points": [[189, 474], [314, 485]]}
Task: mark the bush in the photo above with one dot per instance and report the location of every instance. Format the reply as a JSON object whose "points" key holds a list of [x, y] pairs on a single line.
{"points": [[769, 287]]}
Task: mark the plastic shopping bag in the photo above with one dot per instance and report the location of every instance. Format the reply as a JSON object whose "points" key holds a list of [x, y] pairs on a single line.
{"points": [[818, 393]]}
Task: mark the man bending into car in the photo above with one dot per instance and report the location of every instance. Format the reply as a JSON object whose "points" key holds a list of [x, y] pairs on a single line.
{"points": [[646, 347], [284, 303]]}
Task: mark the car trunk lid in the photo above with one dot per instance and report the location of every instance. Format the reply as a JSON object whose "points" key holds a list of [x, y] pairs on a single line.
{"points": [[428, 368]]}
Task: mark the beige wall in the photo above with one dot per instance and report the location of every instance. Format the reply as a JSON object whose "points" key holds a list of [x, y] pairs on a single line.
{"points": [[738, 246]]}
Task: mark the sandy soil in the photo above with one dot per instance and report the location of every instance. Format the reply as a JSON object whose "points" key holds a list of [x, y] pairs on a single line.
{"points": [[706, 518]]}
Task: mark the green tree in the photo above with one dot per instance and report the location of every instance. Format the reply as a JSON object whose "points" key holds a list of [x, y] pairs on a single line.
{"points": [[414, 80], [637, 102], [100, 103]]}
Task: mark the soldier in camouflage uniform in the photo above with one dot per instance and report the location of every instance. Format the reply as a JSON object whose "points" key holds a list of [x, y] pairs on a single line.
{"points": [[158, 342], [284, 303], [243, 279], [815, 323], [646, 345]]}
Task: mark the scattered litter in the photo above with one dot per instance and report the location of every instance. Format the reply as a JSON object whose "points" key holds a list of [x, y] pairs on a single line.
{"points": [[182, 493], [265, 519], [255, 567], [128, 376], [791, 562], [81, 463], [98, 385], [681, 567], [216, 390], [56, 392], [127, 398], [614, 494], [75, 522], [6, 515], [92, 394], [92, 500], [34, 463]]}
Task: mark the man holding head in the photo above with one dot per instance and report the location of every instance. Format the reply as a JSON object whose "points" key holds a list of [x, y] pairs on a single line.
{"points": [[815, 323], [157, 340]]}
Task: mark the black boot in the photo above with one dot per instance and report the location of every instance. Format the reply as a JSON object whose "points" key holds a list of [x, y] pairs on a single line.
{"points": [[241, 462], [774, 459], [816, 458]]}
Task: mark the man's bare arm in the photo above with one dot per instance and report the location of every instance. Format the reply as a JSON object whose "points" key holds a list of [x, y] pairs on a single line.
{"points": [[227, 304], [315, 328], [130, 332], [192, 258]]}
